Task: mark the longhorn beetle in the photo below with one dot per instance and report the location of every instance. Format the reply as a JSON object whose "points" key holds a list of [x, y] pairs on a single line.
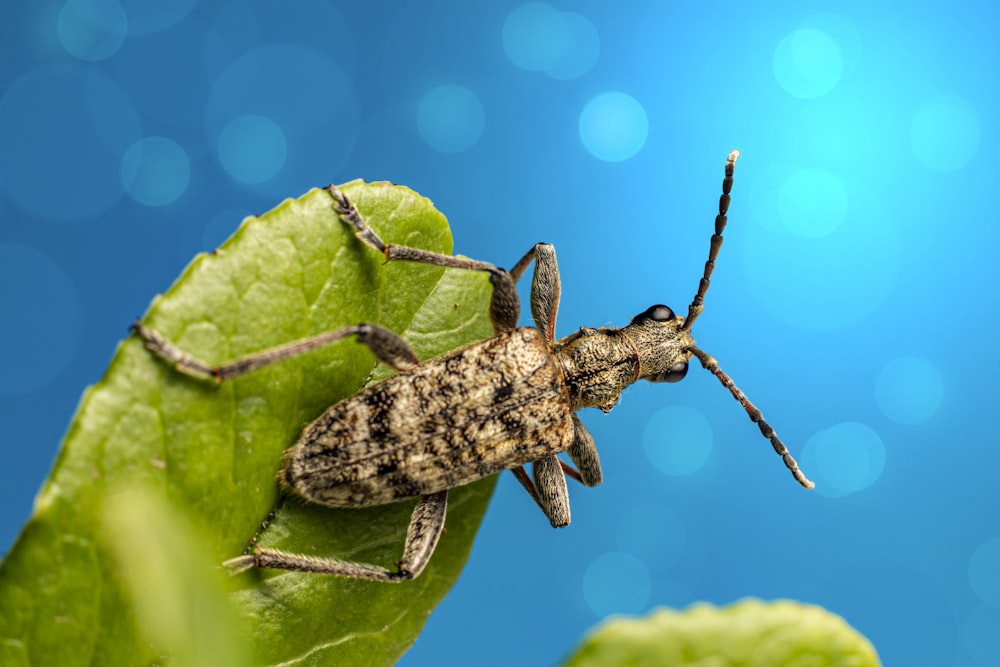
{"points": [[494, 405]]}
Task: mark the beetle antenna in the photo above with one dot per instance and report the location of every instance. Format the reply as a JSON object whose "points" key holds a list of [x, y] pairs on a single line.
{"points": [[712, 366], [694, 310]]}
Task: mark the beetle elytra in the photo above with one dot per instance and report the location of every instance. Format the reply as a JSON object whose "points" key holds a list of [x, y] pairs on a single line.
{"points": [[495, 405]]}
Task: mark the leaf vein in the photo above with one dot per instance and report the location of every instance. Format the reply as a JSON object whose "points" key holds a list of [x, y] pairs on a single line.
{"points": [[341, 640]]}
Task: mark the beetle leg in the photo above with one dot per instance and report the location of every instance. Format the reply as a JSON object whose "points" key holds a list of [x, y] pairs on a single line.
{"points": [[423, 533], [426, 526], [552, 492], [505, 307], [388, 347], [583, 453], [545, 286], [529, 486]]}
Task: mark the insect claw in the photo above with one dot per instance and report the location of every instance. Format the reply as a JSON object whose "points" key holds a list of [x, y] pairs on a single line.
{"points": [[241, 564]]}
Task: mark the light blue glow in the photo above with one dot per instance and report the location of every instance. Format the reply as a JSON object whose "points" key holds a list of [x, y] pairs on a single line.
{"points": [[540, 38], [843, 459], [677, 440], [909, 390], [450, 118], [812, 202], [807, 63], [616, 583], [945, 132], [613, 126], [92, 30], [252, 149], [155, 171], [42, 321]]}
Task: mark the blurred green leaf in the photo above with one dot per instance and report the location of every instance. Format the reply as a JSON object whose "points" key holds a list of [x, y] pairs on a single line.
{"points": [[750, 633], [177, 598], [210, 453]]}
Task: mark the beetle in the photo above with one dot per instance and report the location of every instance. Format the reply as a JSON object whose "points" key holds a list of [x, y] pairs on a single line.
{"points": [[495, 405]]}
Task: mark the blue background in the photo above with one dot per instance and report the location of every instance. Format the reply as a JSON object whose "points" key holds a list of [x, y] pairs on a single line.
{"points": [[854, 301]]}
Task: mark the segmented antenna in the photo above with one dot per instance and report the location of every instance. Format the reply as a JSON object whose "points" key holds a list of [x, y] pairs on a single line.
{"points": [[698, 304], [712, 366]]}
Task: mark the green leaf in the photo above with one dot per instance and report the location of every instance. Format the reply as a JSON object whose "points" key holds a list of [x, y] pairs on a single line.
{"points": [[209, 453], [750, 633]]}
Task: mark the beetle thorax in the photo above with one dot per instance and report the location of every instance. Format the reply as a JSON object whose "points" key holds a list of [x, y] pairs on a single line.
{"points": [[600, 363]]}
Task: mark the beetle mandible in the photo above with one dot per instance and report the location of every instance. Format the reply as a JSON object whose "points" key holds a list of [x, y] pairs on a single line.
{"points": [[494, 405]]}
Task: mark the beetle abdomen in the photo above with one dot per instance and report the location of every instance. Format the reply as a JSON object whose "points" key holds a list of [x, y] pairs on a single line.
{"points": [[471, 413]]}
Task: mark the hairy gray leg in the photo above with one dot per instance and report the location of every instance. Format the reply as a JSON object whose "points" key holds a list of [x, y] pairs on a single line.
{"points": [[426, 525], [505, 307], [389, 348]]}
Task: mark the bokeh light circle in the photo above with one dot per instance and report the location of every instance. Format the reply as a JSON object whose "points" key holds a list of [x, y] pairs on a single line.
{"points": [[320, 118], [844, 34], [613, 126], [42, 321], [233, 28], [252, 149], [981, 634], [67, 126], [155, 171], [450, 118], [984, 572], [812, 202], [149, 16], [91, 30], [537, 37], [909, 390], [534, 36], [616, 583], [843, 459], [807, 63], [803, 279], [677, 440], [583, 51], [945, 132]]}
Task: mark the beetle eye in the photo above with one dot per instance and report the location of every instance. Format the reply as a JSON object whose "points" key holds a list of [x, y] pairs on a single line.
{"points": [[657, 313], [675, 373]]}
